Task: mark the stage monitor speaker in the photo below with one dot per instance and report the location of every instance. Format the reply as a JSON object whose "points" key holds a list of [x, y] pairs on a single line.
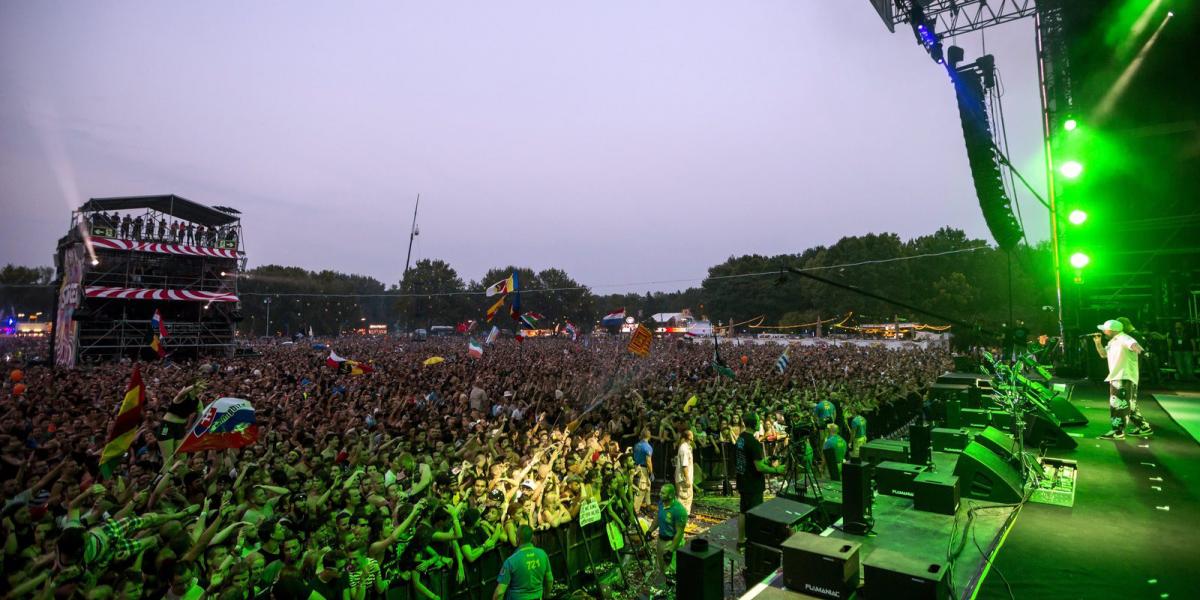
{"points": [[920, 442], [899, 576], [856, 496], [1042, 433], [761, 561], [700, 574], [936, 493], [949, 440], [825, 567], [1068, 414], [976, 417], [774, 521], [896, 479], [984, 475], [1004, 445]]}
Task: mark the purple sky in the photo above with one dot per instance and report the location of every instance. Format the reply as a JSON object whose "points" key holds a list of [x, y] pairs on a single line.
{"points": [[621, 141]]}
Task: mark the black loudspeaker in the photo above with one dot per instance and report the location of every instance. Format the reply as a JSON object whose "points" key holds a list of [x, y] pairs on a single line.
{"points": [[920, 441], [700, 575], [897, 576], [965, 363], [896, 479], [949, 440], [976, 417], [824, 567], [770, 523], [1068, 415], [856, 496], [761, 561], [1041, 432], [984, 475], [1002, 444], [936, 493], [953, 414], [877, 451]]}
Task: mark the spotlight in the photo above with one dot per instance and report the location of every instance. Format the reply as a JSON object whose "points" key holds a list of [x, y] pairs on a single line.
{"points": [[95, 262], [1077, 217], [1070, 125], [1170, 14], [1071, 169], [1080, 260]]}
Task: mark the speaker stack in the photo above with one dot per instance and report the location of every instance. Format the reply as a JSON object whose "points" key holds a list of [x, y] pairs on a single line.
{"points": [[822, 567], [892, 575], [768, 525], [700, 568]]}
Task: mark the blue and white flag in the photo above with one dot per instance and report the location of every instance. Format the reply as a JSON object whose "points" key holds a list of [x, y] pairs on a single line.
{"points": [[781, 364]]}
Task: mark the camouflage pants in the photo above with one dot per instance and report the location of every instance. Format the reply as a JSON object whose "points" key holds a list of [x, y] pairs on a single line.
{"points": [[1122, 406]]}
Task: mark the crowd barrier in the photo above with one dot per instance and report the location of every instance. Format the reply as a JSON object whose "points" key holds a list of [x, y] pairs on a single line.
{"points": [[567, 546]]}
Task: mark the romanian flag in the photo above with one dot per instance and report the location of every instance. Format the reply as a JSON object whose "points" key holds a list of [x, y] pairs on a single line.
{"points": [[345, 365], [491, 312], [504, 286], [125, 427]]}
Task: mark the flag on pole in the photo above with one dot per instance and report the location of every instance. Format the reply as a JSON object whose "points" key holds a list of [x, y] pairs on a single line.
{"points": [[157, 346], [615, 317], [125, 426], [491, 312], [226, 423], [639, 344], [781, 364], [520, 335], [475, 349], [504, 286], [157, 325], [514, 310], [719, 365], [345, 365], [531, 319], [492, 335], [571, 331]]}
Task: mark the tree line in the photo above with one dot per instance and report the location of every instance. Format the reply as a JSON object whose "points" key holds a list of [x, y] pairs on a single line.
{"points": [[945, 273]]}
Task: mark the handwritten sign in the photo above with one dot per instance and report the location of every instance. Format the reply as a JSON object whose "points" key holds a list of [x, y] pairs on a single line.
{"points": [[589, 513]]}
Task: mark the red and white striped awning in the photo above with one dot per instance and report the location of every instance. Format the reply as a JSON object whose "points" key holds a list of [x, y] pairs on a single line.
{"points": [[123, 293], [161, 248]]}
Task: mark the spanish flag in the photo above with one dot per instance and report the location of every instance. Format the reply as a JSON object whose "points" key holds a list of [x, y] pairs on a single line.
{"points": [[125, 427], [491, 312]]}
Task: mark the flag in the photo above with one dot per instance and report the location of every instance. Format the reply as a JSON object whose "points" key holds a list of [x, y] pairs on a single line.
{"points": [[615, 317], [226, 423], [474, 349], [691, 402], [504, 286], [532, 319], [345, 365], [571, 331], [520, 335], [639, 344], [492, 335], [781, 364], [491, 312], [310, 331], [433, 360], [157, 325], [125, 426], [157, 346], [514, 311], [465, 327], [719, 365]]}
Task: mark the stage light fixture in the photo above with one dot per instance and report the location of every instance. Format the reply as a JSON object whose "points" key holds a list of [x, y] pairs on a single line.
{"points": [[95, 262], [1070, 124], [1080, 260], [1071, 169], [1077, 217]]}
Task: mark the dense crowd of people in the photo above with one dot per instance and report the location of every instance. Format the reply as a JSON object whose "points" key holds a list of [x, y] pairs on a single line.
{"points": [[362, 483]]}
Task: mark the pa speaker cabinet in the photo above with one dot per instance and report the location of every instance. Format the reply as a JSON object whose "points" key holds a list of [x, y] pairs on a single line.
{"points": [[824, 567], [1042, 432], [892, 575], [700, 575], [936, 493], [1068, 415], [976, 417], [949, 440], [983, 475], [877, 451], [856, 495], [896, 479], [920, 444], [1004, 445], [761, 561], [770, 523]]}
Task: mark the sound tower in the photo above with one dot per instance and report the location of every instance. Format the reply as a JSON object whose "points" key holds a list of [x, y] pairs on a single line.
{"points": [[856, 497], [984, 475], [700, 571]]}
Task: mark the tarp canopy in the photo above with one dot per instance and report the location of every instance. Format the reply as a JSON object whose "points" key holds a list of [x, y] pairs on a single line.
{"points": [[173, 205]]}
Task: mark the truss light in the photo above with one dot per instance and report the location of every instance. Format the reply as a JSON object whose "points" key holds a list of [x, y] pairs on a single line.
{"points": [[1070, 124], [1071, 169], [1077, 217], [1080, 260]]}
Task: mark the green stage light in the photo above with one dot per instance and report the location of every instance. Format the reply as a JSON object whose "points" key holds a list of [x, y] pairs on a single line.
{"points": [[1080, 260], [1070, 124], [1077, 217], [1071, 169]]}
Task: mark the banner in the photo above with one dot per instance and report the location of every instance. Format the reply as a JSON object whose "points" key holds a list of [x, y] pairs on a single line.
{"points": [[65, 326], [639, 344]]}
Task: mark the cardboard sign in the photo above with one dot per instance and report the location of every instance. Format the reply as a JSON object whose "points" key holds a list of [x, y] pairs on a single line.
{"points": [[589, 513]]}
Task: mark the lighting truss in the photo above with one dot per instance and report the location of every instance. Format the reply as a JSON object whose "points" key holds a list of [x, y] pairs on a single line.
{"points": [[954, 17]]}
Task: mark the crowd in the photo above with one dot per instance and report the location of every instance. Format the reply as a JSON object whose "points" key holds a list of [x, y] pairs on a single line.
{"points": [[152, 228], [358, 484]]}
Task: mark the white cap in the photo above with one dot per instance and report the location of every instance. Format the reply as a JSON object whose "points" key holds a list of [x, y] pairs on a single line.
{"points": [[1111, 325]]}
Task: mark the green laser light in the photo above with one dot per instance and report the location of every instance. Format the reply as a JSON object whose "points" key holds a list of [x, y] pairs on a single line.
{"points": [[1077, 217], [1070, 124], [1080, 260], [1071, 169]]}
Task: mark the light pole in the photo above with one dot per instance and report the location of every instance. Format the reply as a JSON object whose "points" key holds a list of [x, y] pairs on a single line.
{"points": [[267, 301]]}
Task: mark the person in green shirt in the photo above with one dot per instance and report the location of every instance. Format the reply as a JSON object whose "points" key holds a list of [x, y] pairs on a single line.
{"points": [[671, 521], [835, 452], [526, 574]]}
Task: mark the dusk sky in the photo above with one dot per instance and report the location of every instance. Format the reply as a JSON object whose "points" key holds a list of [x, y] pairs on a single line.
{"points": [[621, 141]]}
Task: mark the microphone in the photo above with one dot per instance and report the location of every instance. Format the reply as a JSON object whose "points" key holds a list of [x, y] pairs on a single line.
{"points": [[1086, 335]]}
